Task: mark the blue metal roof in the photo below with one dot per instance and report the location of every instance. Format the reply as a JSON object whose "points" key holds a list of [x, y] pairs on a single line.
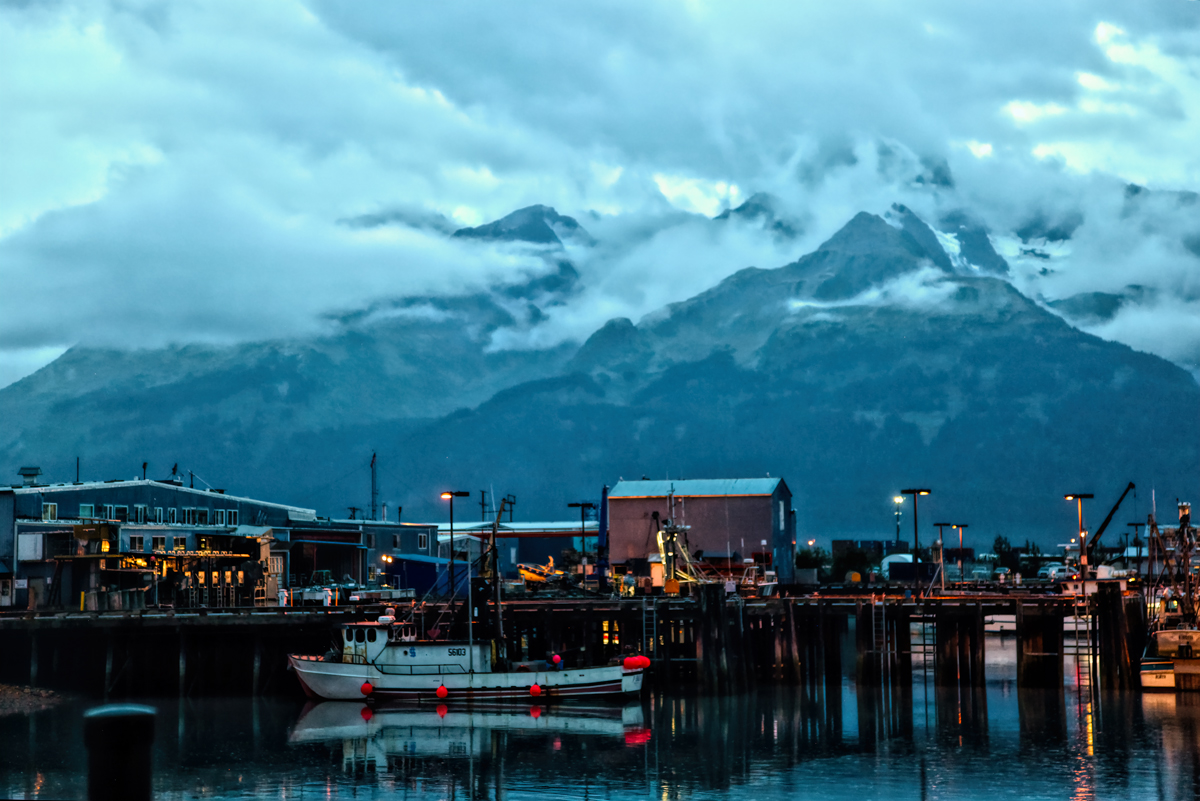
{"points": [[695, 487]]}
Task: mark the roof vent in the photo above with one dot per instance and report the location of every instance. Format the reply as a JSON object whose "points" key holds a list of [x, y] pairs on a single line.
{"points": [[30, 475]]}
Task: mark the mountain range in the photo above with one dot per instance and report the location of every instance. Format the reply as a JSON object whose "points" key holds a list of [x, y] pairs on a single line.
{"points": [[893, 355]]}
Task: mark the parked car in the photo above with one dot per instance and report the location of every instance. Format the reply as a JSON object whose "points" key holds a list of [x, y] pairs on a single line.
{"points": [[1045, 571]]}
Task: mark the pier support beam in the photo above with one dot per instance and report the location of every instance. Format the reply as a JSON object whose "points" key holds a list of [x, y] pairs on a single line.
{"points": [[1116, 668], [1039, 646]]}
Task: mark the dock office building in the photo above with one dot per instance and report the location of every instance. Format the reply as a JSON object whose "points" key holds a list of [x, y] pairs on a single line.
{"points": [[733, 517], [132, 543]]}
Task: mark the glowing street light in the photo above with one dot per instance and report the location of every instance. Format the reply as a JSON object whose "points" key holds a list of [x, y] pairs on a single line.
{"points": [[915, 493], [898, 500], [1079, 498], [450, 496]]}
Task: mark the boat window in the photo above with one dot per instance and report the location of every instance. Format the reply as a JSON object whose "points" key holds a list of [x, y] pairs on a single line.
{"points": [[360, 635], [349, 635], [370, 635]]}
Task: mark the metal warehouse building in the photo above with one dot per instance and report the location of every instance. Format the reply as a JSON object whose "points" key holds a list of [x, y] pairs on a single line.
{"points": [[727, 515]]}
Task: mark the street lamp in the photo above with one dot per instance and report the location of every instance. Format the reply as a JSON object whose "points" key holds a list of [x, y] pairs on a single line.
{"points": [[1079, 498], [450, 496], [583, 509], [915, 493], [961, 559], [899, 499]]}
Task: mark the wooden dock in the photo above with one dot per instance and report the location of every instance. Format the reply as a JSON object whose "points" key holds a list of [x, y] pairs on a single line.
{"points": [[719, 644]]}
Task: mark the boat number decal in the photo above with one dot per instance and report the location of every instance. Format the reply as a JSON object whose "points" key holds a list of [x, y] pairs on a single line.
{"points": [[457, 651]]}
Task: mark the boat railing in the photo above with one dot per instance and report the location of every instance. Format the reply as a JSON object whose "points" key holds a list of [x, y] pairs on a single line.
{"points": [[419, 670]]}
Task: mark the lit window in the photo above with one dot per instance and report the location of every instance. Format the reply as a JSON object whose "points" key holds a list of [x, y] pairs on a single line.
{"points": [[158, 543], [180, 543], [87, 510], [49, 511], [103, 546]]}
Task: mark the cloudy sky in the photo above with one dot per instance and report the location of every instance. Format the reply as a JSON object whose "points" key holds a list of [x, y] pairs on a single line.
{"points": [[183, 172]]}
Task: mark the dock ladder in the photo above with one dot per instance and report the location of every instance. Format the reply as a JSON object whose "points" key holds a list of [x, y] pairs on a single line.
{"points": [[649, 627]]}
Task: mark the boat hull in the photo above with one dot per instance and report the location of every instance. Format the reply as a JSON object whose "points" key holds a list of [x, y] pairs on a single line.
{"points": [[339, 681]]}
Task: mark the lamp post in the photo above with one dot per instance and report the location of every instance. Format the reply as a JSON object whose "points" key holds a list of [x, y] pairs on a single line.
{"points": [[1137, 545], [915, 493], [942, 548], [1079, 498], [583, 508], [450, 496], [961, 559], [899, 499]]}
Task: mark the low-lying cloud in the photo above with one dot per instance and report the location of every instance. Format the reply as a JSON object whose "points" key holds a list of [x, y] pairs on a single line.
{"points": [[178, 172]]}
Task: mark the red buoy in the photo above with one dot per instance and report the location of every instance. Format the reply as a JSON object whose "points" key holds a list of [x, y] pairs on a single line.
{"points": [[645, 660], [556, 659], [535, 691], [442, 692], [366, 688]]}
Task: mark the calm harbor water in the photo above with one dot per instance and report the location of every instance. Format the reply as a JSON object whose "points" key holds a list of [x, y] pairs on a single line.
{"points": [[778, 743]]}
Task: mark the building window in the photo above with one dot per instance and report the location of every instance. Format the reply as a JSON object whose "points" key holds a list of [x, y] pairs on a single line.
{"points": [[157, 514], [108, 511], [136, 543], [189, 517], [202, 517], [121, 514], [87, 510], [180, 543], [158, 543], [370, 540], [220, 521], [49, 511], [172, 515], [275, 565], [422, 542], [139, 513], [231, 517]]}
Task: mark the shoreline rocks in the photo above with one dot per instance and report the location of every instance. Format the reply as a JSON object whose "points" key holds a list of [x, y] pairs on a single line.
{"points": [[20, 700]]}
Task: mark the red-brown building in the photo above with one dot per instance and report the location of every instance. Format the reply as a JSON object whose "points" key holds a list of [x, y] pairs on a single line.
{"points": [[727, 515]]}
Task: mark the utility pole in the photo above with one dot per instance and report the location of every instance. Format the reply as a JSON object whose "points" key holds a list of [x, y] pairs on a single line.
{"points": [[374, 490], [483, 506], [511, 500]]}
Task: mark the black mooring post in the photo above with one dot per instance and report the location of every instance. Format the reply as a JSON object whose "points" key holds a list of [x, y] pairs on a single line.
{"points": [[119, 739]]}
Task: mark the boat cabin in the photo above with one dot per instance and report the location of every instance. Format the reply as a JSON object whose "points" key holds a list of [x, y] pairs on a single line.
{"points": [[394, 648]]}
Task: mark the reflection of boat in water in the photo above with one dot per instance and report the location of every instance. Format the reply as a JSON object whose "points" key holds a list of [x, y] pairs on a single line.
{"points": [[381, 734]]}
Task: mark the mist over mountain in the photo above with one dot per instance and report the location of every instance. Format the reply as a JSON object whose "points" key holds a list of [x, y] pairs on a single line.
{"points": [[895, 353]]}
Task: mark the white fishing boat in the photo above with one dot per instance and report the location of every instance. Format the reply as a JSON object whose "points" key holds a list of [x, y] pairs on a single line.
{"points": [[1172, 660], [383, 659]]}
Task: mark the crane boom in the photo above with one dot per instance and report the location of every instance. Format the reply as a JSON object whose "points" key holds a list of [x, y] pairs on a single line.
{"points": [[1107, 520]]}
